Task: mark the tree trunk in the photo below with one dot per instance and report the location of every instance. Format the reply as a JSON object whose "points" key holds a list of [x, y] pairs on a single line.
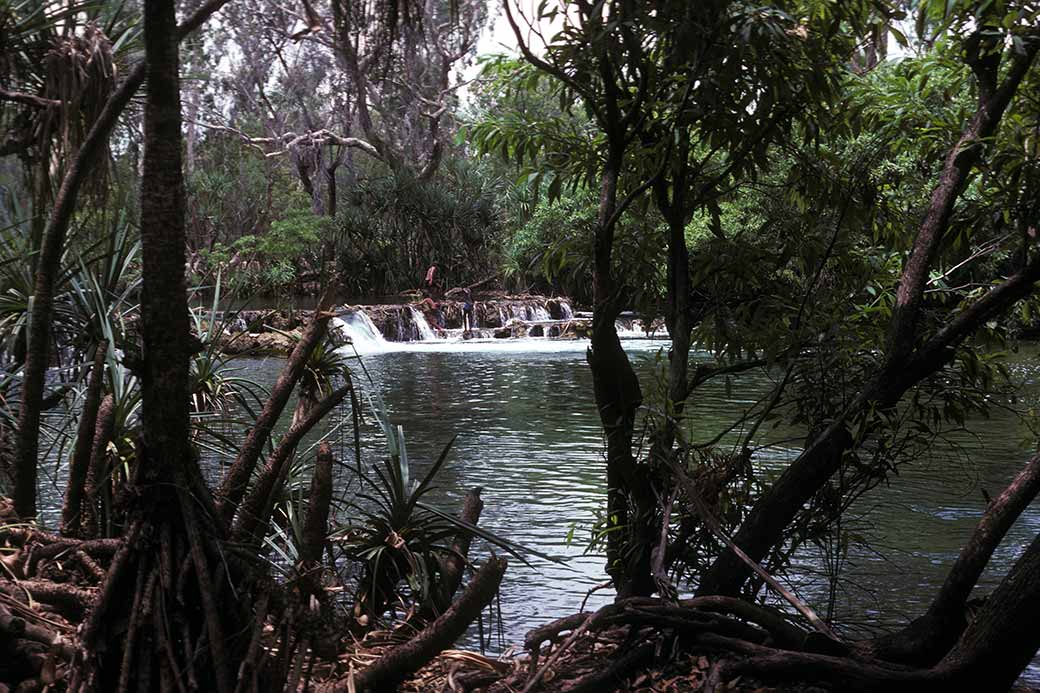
{"points": [[678, 321], [37, 359], [1003, 638], [927, 639], [103, 430], [796, 485], [79, 465], [316, 521], [454, 564], [618, 397], [905, 363], [127, 639]]}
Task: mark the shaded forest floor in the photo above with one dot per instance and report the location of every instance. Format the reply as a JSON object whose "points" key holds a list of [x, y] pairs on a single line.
{"points": [[48, 584], [610, 660]]}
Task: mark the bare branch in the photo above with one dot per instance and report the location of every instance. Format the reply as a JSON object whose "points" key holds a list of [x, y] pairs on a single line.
{"points": [[28, 99]]}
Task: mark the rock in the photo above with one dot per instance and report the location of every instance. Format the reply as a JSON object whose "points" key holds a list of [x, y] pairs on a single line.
{"points": [[276, 342], [258, 343], [556, 309], [503, 333], [575, 329], [487, 314], [536, 331]]}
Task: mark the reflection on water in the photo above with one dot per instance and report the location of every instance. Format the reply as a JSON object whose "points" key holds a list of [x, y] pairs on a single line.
{"points": [[528, 434]]}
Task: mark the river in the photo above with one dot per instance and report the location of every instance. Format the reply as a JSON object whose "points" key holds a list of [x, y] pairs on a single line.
{"points": [[528, 434]]}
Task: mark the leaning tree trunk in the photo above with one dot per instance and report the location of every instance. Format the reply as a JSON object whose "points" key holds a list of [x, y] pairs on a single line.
{"points": [[79, 465], [906, 363], [1003, 638], [236, 481], [927, 639]]}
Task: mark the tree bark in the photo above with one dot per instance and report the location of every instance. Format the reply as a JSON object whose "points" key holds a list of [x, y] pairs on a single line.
{"points": [[927, 639], [618, 397], [103, 430], [127, 639], [316, 521], [51, 249], [1003, 638], [72, 509], [454, 565]]}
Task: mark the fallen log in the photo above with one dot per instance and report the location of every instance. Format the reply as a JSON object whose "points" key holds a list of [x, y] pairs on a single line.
{"points": [[386, 673]]}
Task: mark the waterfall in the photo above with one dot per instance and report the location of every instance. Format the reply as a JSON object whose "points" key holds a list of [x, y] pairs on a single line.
{"points": [[358, 328], [537, 313], [376, 329], [422, 327]]}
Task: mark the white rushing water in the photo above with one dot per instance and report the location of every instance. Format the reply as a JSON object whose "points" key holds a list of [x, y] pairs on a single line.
{"points": [[355, 331], [426, 333], [356, 328]]}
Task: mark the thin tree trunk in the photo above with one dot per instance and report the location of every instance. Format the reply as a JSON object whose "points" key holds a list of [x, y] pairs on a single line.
{"points": [[236, 480], [316, 521], [678, 320], [618, 397], [453, 565], [103, 430], [926, 640], [79, 465]]}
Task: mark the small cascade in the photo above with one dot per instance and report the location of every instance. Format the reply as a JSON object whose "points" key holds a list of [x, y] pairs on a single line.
{"points": [[424, 332], [537, 313], [402, 330], [525, 310], [355, 327], [393, 326], [629, 327]]}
